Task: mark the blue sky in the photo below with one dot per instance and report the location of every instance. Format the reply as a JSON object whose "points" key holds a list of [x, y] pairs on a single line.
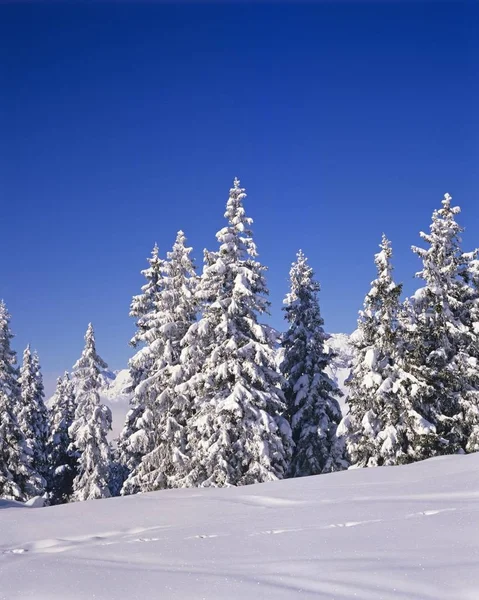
{"points": [[122, 123]]}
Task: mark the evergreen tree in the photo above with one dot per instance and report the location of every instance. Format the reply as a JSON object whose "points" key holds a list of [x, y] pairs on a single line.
{"points": [[135, 439], [313, 410], [469, 399], [440, 342], [143, 309], [91, 425], [33, 417], [118, 472], [237, 435], [62, 460], [374, 430], [168, 411], [18, 481]]}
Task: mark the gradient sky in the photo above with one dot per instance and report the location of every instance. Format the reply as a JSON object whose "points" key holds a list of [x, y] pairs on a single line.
{"points": [[122, 123]]}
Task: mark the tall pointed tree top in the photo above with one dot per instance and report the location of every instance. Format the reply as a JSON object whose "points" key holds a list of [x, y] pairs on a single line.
{"points": [[382, 259], [179, 242], [8, 372], [236, 238], [4, 322], [301, 277], [446, 207], [89, 355]]}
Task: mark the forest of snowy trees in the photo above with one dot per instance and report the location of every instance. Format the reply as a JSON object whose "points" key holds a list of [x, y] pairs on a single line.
{"points": [[222, 399]]}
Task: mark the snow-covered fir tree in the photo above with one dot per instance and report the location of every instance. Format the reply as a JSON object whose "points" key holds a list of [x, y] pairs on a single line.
{"points": [[118, 471], [312, 407], [91, 425], [374, 429], [440, 349], [470, 400], [237, 435], [33, 416], [62, 459], [165, 465], [143, 309], [18, 480], [135, 439]]}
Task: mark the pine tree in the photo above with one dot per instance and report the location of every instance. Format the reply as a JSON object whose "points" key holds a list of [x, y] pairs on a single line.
{"points": [[118, 472], [33, 417], [469, 354], [91, 425], [62, 460], [237, 435], [374, 429], [175, 311], [439, 333], [313, 410], [135, 439], [18, 481]]}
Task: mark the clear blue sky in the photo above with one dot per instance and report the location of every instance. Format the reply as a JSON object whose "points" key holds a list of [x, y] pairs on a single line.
{"points": [[121, 124]]}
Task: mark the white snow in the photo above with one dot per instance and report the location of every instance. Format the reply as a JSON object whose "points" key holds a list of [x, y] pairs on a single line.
{"points": [[373, 534]]}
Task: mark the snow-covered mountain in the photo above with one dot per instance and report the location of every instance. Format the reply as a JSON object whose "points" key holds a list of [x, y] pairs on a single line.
{"points": [[115, 394], [390, 533], [340, 368], [116, 384]]}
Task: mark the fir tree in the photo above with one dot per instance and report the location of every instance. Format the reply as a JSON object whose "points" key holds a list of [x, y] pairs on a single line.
{"points": [[469, 355], [62, 460], [91, 425], [374, 429], [313, 410], [439, 333], [237, 435], [168, 411], [135, 439], [118, 472], [18, 481], [33, 417], [143, 309]]}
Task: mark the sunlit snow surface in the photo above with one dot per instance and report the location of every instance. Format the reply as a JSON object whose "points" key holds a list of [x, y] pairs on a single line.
{"points": [[409, 533]]}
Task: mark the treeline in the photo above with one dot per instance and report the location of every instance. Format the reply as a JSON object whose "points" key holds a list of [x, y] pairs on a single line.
{"points": [[221, 399]]}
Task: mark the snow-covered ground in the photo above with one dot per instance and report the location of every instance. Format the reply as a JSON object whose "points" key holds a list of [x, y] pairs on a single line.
{"points": [[408, 533]]}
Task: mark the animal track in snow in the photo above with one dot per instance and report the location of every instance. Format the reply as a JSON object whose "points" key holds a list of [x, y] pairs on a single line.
{"points": [[351, 524], [274, 531], [428, 513], [109, 538]]}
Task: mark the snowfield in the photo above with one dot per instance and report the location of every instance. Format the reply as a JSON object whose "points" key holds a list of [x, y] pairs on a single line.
{"points": [[410, 533]]}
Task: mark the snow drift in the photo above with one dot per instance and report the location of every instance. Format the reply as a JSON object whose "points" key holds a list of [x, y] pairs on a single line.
{"points": [[392, 532]]}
